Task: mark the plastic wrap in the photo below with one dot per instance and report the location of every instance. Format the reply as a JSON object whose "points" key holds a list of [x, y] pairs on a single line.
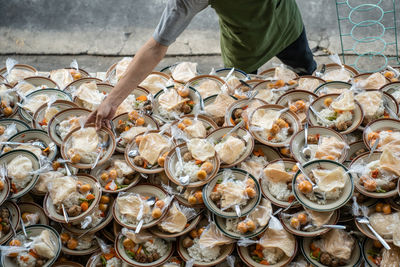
{"points": [[177, 218], [212, 237]]}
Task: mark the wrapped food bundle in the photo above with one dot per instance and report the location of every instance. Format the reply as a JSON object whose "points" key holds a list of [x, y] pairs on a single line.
{"points": [[194, 172]]}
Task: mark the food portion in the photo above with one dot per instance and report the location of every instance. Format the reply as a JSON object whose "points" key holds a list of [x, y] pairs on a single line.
{"points": [[387, 137], [39, 250], [219, 107], [372, 104], [192, 128], [71, 194], [5, 217], [307, 220], [152, 149], [154, 83], [380, 256], [33, 103], [184, 71], [134, 103], [330, 184], [300, 107], [88, 96], [244, 112], [63, 77], [65, 126], [341, 75], [143, 247], [17, 74], [271, 126], [337, 113], [117, 175], [76, 242], [271, 91], [308, 84], [255, 163], [374, 81], [207, 87], [333, 248], [109, 259], [230, 149], [385, 221], [8, 101], [277, 180], [174, 102], [121, 67], [326, 147], [20, 172]]}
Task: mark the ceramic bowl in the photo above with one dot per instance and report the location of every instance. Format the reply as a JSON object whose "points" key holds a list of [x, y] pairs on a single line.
{"points": [[162, 234], [32, 135], [124, 117], [392, 89], [333, 66], [119, 248], [132, 146], [318, 105], [198, 80], [50, 209], [146, 190], [106, 220], [31, 207], [172, 159], [363, 159], [238, 174], [320, 231], [220, 121], [54, 123], [367, 245], [217, 135], [329, 205], [309, 82], [41, 81], [94, 260], [193, 96], [5, 191], [288, 163], [25, 67], [6, 158], [108, 151], [69, 88], [363, 76], [245, 255], [39, 115], [292, 96], [82, 252], [289, 116], [166, 80], [332, 88], [270, 73], [355, 149], [19, 125], [208, 123], [297, 142], [51, 93], [380, 125], [33, 231], [222, 73], [67, 264], [99, 169], [15, 218], [103, 88], [243, 104], [355, 258]]}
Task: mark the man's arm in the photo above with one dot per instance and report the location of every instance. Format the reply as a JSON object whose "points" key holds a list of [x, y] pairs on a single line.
{"points": [[175, 18]]}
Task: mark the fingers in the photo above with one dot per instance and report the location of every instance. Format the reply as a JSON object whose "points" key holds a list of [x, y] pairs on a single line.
{"points": [[99, 121], [91, 118]]}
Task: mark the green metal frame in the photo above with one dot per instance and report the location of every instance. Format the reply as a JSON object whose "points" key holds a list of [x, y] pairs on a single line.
{"points": [[394, 59]]}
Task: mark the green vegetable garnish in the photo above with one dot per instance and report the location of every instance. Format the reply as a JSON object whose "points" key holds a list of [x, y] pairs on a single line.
{"points": [[103, 260], [130, 254], [380, 191], [219, 181]]}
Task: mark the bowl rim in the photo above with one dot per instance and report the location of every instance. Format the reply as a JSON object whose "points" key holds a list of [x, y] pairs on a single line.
{"points": [[147, 225], [36, 114], [336, 134], [369, 74], [296, 121], [47, 200], [101, 160], [330, 83], [347, 67], [291, 92], [217, 212], [137, 264], [27, 203], [37, 77], [353, 125], [171, 176], [234, 70], [263, 73], [389, 194], [200, 117], [385, 89], [21, 66], [54, 118], [364, 256], [16, 122], [251, 143], [238, 104], [161, 234], [319, 209], [140, 169], [393, 121], [81, 81]]}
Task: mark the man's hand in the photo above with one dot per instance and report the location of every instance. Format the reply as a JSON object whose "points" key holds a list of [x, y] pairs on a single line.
{"points": [[102, 115]]}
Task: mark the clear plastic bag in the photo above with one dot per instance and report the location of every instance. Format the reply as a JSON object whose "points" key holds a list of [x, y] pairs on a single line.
{"points": [[212, 237]]}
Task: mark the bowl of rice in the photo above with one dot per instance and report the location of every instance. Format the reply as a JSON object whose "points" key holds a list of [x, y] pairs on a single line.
{"points": [[77, 245], [47, 149], [332, 88], [336, 72], [46, 112], [9, 209], [83, 188], [65, 121], [126, 211], [232, 149], [199, 172], [18, 72], [216, 106], [342, 121], [392, 89], [128, 125], [82, 146], [155, 82], [308, 82], [36, 99], [170, 103], [271, 127], [230, 189], [21, 171], [9, 99], [69, 88], [388, 131], [206, 85], [298, 102], [279, 192], [337, 190], [238, 111], [192, 126], [153, 252]]}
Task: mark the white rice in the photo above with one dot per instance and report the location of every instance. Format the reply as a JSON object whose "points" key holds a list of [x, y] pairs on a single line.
{"points": [[170, 115], [331, 195], [272, 255], [279, 190], [134, 221], [85, 242], [281, 136], [189, 168], [232, 224], [327, 112], [29, 263], [158, 245], [203, 254]]}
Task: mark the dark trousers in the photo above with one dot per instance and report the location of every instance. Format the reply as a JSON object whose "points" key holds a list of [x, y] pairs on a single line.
{"points": [[298, 56]]}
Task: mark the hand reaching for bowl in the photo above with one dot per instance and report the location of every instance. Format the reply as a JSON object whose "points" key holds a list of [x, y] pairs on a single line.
{"points": [[102, 115]]}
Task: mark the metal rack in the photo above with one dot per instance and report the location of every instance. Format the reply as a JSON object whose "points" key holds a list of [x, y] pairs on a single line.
{"points": [[368, 31]]}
